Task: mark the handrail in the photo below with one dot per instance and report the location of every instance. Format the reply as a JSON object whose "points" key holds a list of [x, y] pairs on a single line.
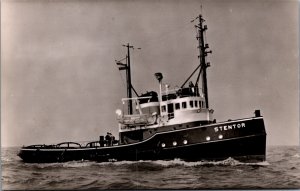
{"points": [[133, 119], [135, 115], [90, 144], [136, 98], [68, 143]]}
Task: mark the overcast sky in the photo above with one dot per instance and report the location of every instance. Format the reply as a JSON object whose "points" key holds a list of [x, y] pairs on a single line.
{"points": [[59, 81]]}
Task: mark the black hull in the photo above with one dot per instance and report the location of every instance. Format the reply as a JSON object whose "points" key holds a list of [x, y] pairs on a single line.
{"points": [[245, 140]]}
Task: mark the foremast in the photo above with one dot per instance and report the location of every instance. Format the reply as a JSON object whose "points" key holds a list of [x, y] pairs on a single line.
{"points": [[127, 67]]}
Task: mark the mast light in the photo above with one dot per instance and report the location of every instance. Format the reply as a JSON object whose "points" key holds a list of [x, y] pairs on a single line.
{"points": [[158, 76]]}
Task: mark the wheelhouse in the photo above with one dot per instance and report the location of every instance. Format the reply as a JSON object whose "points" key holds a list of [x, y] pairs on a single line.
{"points": [[159, 112]]}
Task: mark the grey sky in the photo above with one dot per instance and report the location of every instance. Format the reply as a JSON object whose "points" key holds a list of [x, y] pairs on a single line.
{"points": [[60, 83]]}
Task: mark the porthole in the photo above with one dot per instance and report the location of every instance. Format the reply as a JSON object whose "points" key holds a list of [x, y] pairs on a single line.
{"points": [[220, 136], [174, 143], [185, 142], [163, 145], [208, 138]]}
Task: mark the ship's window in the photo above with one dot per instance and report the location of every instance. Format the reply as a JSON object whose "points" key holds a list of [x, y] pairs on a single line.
{"points": [[200, 105], [192, 104], [183, 105], [163, 108], [196, 104], [177, 106]]}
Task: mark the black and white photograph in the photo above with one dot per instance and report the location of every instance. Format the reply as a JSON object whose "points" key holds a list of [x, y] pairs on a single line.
{"points": [[149, 94]]}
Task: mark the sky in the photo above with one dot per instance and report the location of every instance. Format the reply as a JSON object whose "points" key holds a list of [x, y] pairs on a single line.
{"points": [[59, 81]]}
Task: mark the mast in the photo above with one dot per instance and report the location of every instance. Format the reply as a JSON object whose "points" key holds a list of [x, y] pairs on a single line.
{"points": [[202, 46], [128, 76], [202, 54]]}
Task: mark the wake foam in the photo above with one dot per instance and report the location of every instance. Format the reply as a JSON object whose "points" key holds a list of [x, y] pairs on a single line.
{"points": [[178, 162], [77, 164], [227, 162], [162, 163]]}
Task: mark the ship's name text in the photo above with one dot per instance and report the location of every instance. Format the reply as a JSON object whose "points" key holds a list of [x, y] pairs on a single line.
{"points": [[230, 127]]}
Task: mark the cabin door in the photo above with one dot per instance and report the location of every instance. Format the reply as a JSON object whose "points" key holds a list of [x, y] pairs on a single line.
{"points": [[170, 110]]}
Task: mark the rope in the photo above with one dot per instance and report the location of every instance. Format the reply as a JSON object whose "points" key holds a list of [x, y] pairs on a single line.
{"points": [[122, 79], [165, 35]]}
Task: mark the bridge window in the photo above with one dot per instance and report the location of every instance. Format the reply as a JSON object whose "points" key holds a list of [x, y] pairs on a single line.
{"points": [[200, 105], [177, 106], [183, 105], [192, 104], [163, 108], [196, 104]]}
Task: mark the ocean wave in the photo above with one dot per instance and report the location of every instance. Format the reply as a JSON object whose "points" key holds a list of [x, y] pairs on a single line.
{"points": [[6, 159], [42, 165], [160, 174]]}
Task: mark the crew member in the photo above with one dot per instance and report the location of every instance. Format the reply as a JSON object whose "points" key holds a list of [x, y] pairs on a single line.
{"points": [[191, 86], [108, 139], [112, 139]]}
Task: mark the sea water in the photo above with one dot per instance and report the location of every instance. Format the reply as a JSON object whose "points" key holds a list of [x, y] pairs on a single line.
{"points": [[280, 171]]}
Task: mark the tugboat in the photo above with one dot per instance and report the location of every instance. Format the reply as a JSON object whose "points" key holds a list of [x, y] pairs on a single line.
{"points": [[173, 123]]}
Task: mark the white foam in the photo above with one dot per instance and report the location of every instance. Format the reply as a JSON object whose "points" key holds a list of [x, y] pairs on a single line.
{"points": [[227, 162], [76, 164], [165, 163]]}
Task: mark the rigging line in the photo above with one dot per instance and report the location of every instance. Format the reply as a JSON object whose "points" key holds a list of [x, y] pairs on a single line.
{"points": [[190, 76], [177, 30], [122, 59], [134, 90], [200, 74], [162, 36], [122, 79]]}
